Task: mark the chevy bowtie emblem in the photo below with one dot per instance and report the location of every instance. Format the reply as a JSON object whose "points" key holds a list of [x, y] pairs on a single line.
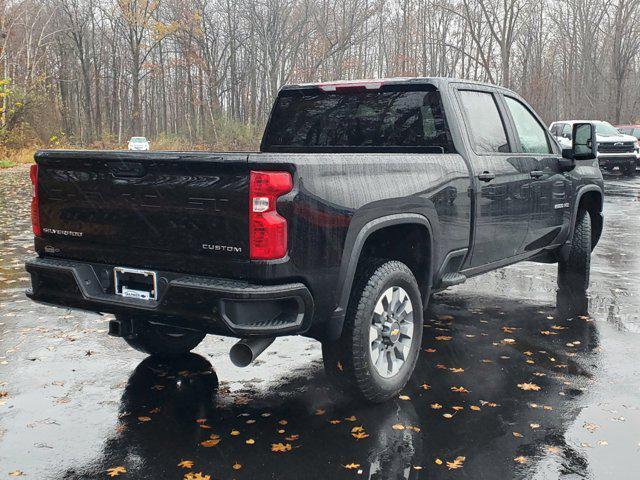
{"points": [[617, 144]]}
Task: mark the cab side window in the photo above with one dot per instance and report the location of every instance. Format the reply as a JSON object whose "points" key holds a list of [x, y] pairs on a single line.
{"points": [[532, 135], [488, 134], [567, 131]]}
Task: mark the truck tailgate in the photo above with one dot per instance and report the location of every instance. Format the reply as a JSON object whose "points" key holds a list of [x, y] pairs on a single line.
{"points": [[145, 204]]}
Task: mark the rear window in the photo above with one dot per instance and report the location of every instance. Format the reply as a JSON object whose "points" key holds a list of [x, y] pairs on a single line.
{"points": [[392, 118]]}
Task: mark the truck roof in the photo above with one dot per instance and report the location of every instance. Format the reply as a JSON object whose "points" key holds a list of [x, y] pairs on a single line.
{"points": [[375, 83], [571, 122]]}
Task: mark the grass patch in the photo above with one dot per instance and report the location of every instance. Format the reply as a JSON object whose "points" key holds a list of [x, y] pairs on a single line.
{"points": [[7, 164]]}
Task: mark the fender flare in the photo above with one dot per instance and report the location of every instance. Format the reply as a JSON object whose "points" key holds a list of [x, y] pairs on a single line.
{"points": [[574, 214], [351, 257]]}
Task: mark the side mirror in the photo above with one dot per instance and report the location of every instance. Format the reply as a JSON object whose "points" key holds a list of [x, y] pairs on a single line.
{"points": [[584, 145]]}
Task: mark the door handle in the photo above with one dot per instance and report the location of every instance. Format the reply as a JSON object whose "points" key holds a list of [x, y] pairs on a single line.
{"points": [[486, 176], [536, 173]]}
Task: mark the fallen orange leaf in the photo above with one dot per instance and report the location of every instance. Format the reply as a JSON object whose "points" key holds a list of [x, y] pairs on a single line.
{"points": [[351, 466], [115, 471], [237, 466], [459, 390], [280, 447], [186, 464], [528, 386], [196, 476], [457, 463]]}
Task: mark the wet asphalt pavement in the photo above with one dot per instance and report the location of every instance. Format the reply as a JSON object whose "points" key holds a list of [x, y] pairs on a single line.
{"points": [[507, 386]]}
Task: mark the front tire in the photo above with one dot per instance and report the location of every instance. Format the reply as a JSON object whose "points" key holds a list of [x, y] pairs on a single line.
{"points": [[380, 342], [574, 267], [163, 341]]}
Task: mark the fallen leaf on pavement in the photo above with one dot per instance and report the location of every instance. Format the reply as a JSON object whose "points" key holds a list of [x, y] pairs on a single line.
{"points": [[115, 471], [351, 466], [457, 463], [521, 459], [196, 476], [459, 390], [280, 447], [528, 386], [186, 464]]}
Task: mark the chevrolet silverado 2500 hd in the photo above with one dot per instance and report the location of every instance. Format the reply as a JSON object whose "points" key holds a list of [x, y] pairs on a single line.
{"points": [[364, 199]]}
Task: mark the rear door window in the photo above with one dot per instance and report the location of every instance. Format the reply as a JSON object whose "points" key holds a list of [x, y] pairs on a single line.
{"points": [[485, 124], [531, 133], [392, 118]]}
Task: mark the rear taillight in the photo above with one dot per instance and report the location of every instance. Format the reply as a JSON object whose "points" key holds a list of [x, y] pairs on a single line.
{"points": [[267, 229], [35, 206]]}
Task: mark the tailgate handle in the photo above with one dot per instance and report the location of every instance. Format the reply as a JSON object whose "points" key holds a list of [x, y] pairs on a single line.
{"points": [[127, 169]]}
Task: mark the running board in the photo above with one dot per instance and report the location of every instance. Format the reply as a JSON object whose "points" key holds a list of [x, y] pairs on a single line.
{"points": [[451, 279]]}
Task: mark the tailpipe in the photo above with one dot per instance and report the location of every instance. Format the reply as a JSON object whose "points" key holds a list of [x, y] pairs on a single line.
{"points": [[248, 349]]}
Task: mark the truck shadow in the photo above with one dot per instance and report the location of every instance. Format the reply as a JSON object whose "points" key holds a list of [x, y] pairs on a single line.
{"points": [[497, 383]]}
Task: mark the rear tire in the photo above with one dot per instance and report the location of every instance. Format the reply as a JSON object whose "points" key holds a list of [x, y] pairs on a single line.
{"points": [[574, 268], [380, 342], [162, 341]]}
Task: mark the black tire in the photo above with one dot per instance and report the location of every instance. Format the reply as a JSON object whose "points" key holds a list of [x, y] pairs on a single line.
{"points": [[574, 267], [165, 342], [348, 361]]}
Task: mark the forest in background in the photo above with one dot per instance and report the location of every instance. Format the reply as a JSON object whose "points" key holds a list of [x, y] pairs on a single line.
{"points": [[204, 73]]}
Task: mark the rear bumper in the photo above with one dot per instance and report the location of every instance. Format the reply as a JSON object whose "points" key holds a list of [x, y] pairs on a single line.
{"points": [[213, 305]]}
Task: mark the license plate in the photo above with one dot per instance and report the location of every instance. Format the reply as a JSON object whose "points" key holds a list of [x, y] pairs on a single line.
{"points": [[135, 283]]}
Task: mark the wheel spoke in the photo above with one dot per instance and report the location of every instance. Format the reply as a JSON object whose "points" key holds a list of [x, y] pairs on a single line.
{"points": [[391, 331]]}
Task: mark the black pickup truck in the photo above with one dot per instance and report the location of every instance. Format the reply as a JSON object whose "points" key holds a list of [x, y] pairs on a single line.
{"points": [[365, 197]]}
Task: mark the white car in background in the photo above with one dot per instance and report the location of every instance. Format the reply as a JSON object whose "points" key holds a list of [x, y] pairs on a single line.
{"points": [[615, 149], [138, 143]]}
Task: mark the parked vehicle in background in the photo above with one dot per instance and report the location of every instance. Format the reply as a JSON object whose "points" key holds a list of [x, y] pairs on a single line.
{"points": [[615, 149], [138, 143], [634, 131], [365, 197]]}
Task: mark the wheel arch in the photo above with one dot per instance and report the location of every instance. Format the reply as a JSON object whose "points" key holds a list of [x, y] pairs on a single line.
{"points": [[374, 230], [591, 198]]}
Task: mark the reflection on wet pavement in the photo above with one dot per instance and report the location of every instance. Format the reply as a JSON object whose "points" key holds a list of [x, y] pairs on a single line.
{"points": [[508, 385]]}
